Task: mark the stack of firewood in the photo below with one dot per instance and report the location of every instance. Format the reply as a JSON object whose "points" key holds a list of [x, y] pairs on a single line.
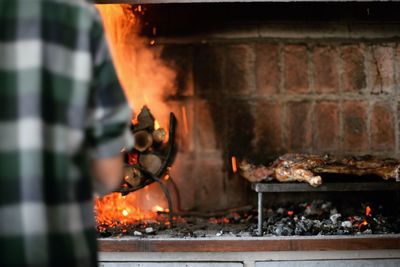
{"points": [[152, 154]]}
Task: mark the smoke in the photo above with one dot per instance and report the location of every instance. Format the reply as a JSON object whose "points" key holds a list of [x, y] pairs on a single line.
{"points": [[146, 79]]}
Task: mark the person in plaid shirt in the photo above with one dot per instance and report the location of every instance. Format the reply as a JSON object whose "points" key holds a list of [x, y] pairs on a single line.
{"points": [[62, 116]]}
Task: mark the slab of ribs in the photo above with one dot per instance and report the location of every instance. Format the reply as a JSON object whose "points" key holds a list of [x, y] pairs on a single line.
{"points": [[307, 168]]}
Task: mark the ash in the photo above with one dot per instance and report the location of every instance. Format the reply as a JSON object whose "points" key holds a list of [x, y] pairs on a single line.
{"points": [[302, 219]]}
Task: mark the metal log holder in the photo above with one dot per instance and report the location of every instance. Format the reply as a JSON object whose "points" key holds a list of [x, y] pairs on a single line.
{"points": [[273, 187]]}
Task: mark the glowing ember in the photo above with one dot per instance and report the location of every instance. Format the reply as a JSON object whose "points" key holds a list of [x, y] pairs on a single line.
{"points": [[133, 158], [214, 220], [290, 212], [368, 211], [117, 210], [157, 208], [113, 210], [234, 165]]}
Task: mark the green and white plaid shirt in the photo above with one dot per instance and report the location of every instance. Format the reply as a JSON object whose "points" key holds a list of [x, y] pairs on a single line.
{"points": [[60, 104]]}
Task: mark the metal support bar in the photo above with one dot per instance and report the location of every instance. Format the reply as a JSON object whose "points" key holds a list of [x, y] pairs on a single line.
{"points": [[260, 214]]}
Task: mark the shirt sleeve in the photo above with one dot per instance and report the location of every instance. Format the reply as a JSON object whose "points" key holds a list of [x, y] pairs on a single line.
{"points": [[109, 114]]}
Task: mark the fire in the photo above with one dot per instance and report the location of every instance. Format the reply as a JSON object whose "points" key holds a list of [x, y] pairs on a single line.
{"points": [[140, 69], [363, 223], [156, 125], [125, 213], [117, 210], [113, 210], [146, 100], [157, 208], [290, 212], [234, 165], [368, 211], [139, 66]]}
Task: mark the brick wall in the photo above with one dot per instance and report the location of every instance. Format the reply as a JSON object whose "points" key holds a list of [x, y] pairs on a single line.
{"points": [[258, 91]]}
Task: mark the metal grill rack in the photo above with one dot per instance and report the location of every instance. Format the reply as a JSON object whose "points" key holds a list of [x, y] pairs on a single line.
{"points": [[262, 188]]}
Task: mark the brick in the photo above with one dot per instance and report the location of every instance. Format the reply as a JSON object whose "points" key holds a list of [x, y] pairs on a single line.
{"points": [[353, 76], [382, 127], [298, 126], [326, 126], [179, 58], [381, 69], [295, 69], [208, 70], [239, 70], [355, 133], [267, 140], [239, 121], [206, 125], [267, 69], [325, 69]]}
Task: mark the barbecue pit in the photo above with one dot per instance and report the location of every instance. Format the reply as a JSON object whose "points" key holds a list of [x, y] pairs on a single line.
{"points": [[257, 80]]}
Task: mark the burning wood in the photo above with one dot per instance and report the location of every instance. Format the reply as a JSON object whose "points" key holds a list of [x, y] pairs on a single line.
{"points": [[305, 168]]}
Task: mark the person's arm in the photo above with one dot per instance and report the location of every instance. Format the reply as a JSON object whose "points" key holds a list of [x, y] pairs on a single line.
{"points": [[109, 118], [107, 173]]}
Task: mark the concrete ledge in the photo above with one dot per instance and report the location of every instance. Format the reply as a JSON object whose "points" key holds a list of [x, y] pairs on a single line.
{"points": [[256, 244]]}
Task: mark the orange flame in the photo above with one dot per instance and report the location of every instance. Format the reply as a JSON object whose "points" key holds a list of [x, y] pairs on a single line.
{"points": [[146, 100], [139, 67], [368, 211], [156, 125], [115, 209], [234, 165]]}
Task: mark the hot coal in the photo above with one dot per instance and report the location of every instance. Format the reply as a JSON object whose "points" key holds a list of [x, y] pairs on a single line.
{"points": [[322, 218], [303, 219]]}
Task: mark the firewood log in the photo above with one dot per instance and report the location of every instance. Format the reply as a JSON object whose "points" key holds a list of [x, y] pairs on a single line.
{"points": [[159, 135], [143, 140], [150, 162], [132, 176]]}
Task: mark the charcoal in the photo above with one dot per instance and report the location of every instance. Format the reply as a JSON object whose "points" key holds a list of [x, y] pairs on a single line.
{"points": [[221, 232], [334, 217], [367, 232], [301, 228], [137, 233], [347, 224], [149, 230], [282, 230], [315, 218]]}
